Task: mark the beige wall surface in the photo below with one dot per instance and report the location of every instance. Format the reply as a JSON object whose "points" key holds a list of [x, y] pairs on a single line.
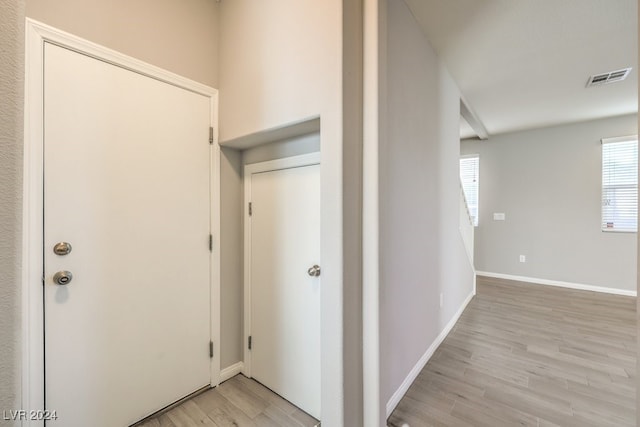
{"points": [[11, 125], [278, 63], [179, 36], [231, 256], [422, 254], [280, 149], [352, 184], [548, 183]]}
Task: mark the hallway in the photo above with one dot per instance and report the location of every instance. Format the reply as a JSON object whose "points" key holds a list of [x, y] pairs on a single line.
{"points": [[530, 355]]}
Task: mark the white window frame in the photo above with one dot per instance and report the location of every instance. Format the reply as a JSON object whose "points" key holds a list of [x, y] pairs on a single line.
{"points": [[604, 220], [470, 205]]}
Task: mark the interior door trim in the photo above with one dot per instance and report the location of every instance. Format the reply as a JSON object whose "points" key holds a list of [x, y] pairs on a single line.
{"points": [[37, 34], [248, 170]]}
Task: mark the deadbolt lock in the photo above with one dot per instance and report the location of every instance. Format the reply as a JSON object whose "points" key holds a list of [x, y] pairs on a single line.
{"points": [[62, 248]]}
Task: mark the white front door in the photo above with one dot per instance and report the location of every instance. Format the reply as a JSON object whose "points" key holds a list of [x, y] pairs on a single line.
{"points": [[127, 185], [285, 299]]}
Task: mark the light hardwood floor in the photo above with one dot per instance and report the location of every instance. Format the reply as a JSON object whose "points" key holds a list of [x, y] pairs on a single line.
{"points": [[240, 402], [530, 355]]}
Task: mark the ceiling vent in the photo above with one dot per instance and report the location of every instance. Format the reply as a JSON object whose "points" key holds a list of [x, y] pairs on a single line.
{"points": [[606, 78]]}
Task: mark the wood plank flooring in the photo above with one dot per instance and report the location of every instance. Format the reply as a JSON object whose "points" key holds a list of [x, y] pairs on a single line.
{"points": [[530, 355], [238, 402]]}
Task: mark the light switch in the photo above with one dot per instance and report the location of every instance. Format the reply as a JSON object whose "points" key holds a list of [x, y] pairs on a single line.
{"points": [[498, 216]]}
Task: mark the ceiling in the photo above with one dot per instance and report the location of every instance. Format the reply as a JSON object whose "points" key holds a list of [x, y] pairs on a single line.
{"points": [[523, 64]]}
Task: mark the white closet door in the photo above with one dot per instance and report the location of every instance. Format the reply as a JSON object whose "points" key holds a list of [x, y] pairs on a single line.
{"points": [[285, 299]]}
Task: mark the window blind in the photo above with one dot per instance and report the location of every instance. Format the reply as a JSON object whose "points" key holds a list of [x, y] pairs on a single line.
{"points": [[470, 177], [620, 184]]}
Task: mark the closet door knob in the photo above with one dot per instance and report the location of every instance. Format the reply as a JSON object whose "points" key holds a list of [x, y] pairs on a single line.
{"points": [[314, 271]]}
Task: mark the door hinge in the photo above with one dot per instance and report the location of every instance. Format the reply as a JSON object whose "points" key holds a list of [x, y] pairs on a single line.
{"points": [[250, 209], [211, 135], [210, 242], [211, 349], [249, 342]]}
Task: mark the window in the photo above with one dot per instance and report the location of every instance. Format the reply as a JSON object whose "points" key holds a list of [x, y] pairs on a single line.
{"points": [[470, 177], [620, 184]]}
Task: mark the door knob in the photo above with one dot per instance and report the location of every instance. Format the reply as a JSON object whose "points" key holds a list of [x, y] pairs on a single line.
{"points": [[314, 271], [62, 277]]}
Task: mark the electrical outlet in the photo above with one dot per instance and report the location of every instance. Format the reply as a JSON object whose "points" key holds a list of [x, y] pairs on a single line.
{"points": [[441, 299], [523, 258]]}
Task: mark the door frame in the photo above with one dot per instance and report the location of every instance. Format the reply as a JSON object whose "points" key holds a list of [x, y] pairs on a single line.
{"points": [[37, 34], [248, 170]]}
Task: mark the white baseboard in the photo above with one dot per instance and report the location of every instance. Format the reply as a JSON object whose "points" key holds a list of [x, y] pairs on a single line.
{"points": [[560, 284], [231, 371], [475, 281], [413, 374]]}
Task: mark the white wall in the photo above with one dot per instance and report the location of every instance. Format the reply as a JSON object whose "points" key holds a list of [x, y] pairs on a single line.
{"points": [[280, 63], [548, 183], [11, 125], [421, 249]]}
